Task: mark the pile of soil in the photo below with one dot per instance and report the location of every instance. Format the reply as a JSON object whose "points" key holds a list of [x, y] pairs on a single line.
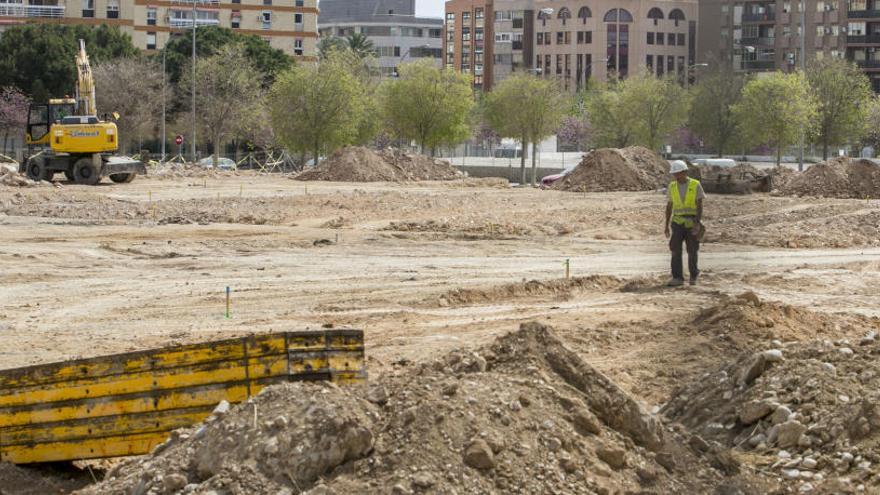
{"points": [[360, 164], [187, 170], [611, 169], [806, 411], [9, 176], [523, 415], [560, 289], [836, 178]]}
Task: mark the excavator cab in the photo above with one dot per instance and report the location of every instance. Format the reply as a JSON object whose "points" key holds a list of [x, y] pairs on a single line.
{"points": [[41, 117]]}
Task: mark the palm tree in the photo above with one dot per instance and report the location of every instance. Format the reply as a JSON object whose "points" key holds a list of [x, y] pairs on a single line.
{"points": [[330, 43], [360, 45]]}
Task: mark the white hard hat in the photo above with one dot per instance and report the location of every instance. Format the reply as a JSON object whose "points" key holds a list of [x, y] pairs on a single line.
{"points": [[677, 166]]}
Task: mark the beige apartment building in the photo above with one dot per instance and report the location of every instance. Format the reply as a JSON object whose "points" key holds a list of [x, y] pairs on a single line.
{"points": [[573, 40], [289, 25]]}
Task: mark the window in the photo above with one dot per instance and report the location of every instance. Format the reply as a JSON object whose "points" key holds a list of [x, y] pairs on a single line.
{"points": [[676, 15], [580, 40], [88, 8], [505, 37], [465, 17], [820, 31], [559, 37], [297, 19], [236, 19], [266, 17], [618, 15], [450, 17], [584, 13], [478, 34], [655, 14], [151, 16], [450, 58], [478, 13], [661, 39], [299, 3], [856, 28], [113, 9], [540, 38], [151, 41], [649, 63], [546, 38], [681, 40], [564, 14], [650, 38], [450, 36], [267, 2], [297, 46], [465, 34], [588, 37], [670, 64], [568, 37], [659, 65], [670, 39], [786, 7]]}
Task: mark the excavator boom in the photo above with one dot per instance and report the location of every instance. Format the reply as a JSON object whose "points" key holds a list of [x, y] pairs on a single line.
{"points": [[85, 83]]}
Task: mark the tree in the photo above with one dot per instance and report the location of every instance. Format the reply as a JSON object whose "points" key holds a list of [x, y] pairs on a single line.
{"points": [[712, 108], [360, 45], [329, 44], [228, 93], [40, 59], [318, 108], [428, 105], [133, 89], [872, 137], [528, 108], [574, 129], [657, 106], [13, 113], [843, 94], [775, 110], [268, 61], [612, 124]]}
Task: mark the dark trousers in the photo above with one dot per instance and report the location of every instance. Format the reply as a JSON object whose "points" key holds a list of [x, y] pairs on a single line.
{"points": [[681, 233]]}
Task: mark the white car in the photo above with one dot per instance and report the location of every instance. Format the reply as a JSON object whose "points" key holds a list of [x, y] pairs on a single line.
{"points": [[222, 163], [716, 162]]}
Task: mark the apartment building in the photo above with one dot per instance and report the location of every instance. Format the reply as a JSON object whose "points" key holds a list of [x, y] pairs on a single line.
{"points": [[289, 25], [573, 40], [391, 25], [766, 35]]}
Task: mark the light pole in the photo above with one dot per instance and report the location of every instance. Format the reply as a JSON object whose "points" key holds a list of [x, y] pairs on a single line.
{"points": [[804, 70], [687, 73], [164, 50], [194, 157]]}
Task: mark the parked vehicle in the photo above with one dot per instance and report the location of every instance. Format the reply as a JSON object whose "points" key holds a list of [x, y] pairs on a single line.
{"points": [[222, 163], [549, 180]]}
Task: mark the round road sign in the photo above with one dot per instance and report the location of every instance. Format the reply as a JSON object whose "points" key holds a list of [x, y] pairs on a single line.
{"points": [[178, 139]]}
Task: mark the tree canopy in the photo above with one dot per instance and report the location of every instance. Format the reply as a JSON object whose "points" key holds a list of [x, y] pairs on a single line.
{"points": [[210, 39], [712, 116], [428, 105], [132, 88], [775, 109], [40, 59], [843, 94]]}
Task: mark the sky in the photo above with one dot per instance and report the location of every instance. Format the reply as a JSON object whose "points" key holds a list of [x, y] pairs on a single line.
{"points": [[430, 8]]}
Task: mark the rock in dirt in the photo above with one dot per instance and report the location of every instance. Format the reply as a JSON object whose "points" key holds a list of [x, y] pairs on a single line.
{"points": [[360, 164], [479, 455], [611, 169]]}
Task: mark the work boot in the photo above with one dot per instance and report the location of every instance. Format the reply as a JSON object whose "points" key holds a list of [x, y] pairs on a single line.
{"points": [[693, 281], [675, 282]]}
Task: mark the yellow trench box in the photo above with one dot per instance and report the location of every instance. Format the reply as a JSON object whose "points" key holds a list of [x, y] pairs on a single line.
{"points": [[126, 404]]}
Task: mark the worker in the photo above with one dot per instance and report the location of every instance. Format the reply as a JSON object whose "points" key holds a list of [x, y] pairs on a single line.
{"points": [[684, 211]]}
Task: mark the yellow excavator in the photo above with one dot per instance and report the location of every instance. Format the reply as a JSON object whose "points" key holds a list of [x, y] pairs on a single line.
{"points": [[66, 135]]}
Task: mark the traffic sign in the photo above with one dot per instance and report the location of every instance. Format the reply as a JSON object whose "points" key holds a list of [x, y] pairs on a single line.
{"points": [[178, 140]]}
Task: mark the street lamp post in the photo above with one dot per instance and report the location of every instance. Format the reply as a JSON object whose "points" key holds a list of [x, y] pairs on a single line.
{"points": [[164, 94], [804, 70], [194, 157]]}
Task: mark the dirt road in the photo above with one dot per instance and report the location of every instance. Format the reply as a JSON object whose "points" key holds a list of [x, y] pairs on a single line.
{"points": [[422, 268]]}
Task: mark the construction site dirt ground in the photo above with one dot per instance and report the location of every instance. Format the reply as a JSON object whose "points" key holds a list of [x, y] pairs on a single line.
{"points": [[422, 268]]}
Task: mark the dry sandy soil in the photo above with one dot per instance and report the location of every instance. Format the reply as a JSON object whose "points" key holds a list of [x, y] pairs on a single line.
{"points": [[424, 269]]}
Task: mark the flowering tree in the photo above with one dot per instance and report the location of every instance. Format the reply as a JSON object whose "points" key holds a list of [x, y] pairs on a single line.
{"points": [[13, 113], [574, 130], [484, 134]]}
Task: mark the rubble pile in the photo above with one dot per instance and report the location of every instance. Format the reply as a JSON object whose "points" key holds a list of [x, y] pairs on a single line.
{"points": [[809, 412], [610, 169], [836, 178], [523, 415], [360, 164], [187, 170], [9, 176]]}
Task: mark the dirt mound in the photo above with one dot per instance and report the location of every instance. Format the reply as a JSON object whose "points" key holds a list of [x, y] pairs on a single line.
{"points": [[560, 289], [523, 415], [611, 169], [359, 164], [809, 412], [10, 177], [836, 178], [187, 170], [41, 479]]}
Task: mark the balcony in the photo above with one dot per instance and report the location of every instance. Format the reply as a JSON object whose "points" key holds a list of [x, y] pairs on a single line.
{"points": [[22, 10], [187, 23], [864, 14], [758, 64], [209, 3], [868, 64], [864, 39], [765, 17], [762, 41]]}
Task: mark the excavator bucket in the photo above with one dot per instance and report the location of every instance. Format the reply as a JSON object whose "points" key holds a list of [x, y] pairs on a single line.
{"points": [[127, 404]]}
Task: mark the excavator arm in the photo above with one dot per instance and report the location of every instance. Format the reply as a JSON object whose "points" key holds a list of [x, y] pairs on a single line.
{"points": [[85, 83]]}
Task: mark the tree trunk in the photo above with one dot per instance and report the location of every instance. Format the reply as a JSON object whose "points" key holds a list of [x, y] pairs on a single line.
{"points": [[534, 165], [522, 161], [216, 159], [825, 149], [302, 160], [778, 154]]}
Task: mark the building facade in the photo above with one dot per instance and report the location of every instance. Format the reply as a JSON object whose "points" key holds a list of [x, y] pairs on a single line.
{"points": [[289, 25], [397, 34], [573, 40], [766, 35]]}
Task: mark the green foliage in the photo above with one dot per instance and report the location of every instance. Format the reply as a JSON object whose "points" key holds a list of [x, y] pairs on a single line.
{"points": [[775, 110], [329, 44], [528, 108], [657, 106], [319, 107], [132, 88], [712, 115], [267, 61], [428, 105], [872, 137], [360, 45], [610, 119], [40, 59], [228, 96], [843, 94]]}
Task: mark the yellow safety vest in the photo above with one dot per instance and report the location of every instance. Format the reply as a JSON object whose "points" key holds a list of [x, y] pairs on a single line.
{"points": [[684, 212]]}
